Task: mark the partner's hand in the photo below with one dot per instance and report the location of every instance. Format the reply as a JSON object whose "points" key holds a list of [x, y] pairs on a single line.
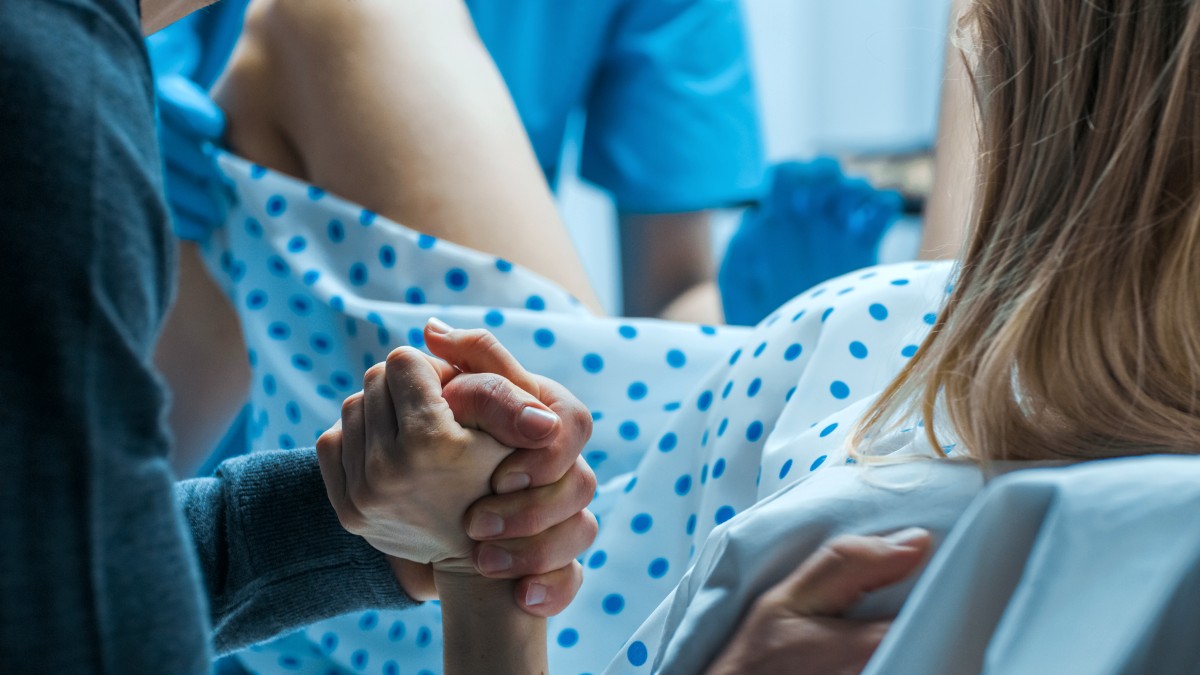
{"points": [[796, 626], [400, 471], [536, 524]]}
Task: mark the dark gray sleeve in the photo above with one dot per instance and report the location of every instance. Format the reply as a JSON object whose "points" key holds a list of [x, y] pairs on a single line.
{"points": [[272, 553]]}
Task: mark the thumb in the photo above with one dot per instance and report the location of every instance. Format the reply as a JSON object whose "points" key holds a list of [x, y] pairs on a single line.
{"points": [[836, 577], [477, 351], [503, 410]]}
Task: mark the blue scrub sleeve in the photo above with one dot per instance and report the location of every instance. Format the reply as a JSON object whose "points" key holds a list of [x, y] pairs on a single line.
{"points": [[672, 120]]}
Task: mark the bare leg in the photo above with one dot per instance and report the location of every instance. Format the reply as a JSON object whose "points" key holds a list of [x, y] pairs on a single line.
{"points": [[397, 106]]}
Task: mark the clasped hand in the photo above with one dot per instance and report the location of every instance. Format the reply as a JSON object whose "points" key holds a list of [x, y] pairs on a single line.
{"points": [[422, 465]]}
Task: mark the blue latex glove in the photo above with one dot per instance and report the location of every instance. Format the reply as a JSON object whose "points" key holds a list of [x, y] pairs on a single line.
{"points": [[189, 127], [814, 224]]}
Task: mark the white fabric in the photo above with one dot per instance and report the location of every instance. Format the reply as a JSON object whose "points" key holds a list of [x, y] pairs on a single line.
{"points": [[1088, 569], [693, 424]]}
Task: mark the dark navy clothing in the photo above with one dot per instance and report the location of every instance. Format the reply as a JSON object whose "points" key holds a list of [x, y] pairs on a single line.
{"points": [[105, 563]]}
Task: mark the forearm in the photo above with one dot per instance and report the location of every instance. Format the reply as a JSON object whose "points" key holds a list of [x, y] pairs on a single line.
{"points": [[272, 553], [158, 14], [483, 629]]}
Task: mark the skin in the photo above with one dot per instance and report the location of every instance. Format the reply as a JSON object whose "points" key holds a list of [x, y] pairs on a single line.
{"points": [[667, 267]]}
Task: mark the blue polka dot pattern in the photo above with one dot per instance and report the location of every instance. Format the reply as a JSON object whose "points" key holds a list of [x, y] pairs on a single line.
{"points": [[658, 568], [676, 358], [878, 312], [414, 296], [366, 217], [755, 386], [597, 560], [297, 244], [568, 637], [613, 603], [783, 470], [535, 303], [425, 241], [629, 430], [358, 274], [668, 442], [593, 363], [858, 350], [456, 279], [683, 485], [503, 265], [336, 231], [637, 653], [793, 352], [627, 332], [544, 337], [829, 430], [909, 351], [276, 206], [723, 514], [754, 431], [494, 318], [839, 389], [387, 256], [641, 523]]}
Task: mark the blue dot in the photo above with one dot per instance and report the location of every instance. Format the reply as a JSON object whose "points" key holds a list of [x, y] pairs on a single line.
{"points": [[630, 485], [300, 305], [909, 351], [310, 277], [278, 267], [358, 274], [494, 318], [269, 385], [817, 463], [367, 217], [279, 331], [629, 430], [595, 457], [613, 603], [900, 282], [641, 523], [568, 637], [286, 442], [755, 385], [336, 231], [690, 527], [676, 358], [302, 363], [637, 391], [793, 352], [329, 643], [637, 653], [754, 431], [297, 244], [733, 358], [544, 337], [658, 568], [704, 439], [254, 228], [414, 296], [337, 303], [391, 668], [878, 312], [276, 205], [342, 380], [722, 427], [387, 256], [425, 241], [289, 662], [704, 474], [728, 388], [257, 171], [858, 350], [683, 485], [256, 300], [759, 350], [252, 357], [597, 560], [424, 637], [783, 471], [456, 279], [326, 391], [799, 315], [593, 363], [718, 469], [416, 337], [791, 392], [839, 389], [668, 442], [705, 401], [535, 303], [293, 412], [396, 632], [359, 659], [315, 193], [503, 265], [930, 318], [724, 513], [627, 332], [368, 621], [828, 430]]}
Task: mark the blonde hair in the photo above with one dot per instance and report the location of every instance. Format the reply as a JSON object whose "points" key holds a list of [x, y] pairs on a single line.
{"points": [[1073, 327]]}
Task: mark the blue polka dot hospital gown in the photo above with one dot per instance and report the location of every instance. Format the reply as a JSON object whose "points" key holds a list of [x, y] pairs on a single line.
{"points": [[686, 417]]}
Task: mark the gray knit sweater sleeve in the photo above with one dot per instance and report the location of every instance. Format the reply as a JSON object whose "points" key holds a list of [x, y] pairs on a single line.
{"points": [[272, 553]]}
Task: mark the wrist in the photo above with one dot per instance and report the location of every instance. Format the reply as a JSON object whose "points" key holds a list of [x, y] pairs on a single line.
{"points": [[414, 578]]}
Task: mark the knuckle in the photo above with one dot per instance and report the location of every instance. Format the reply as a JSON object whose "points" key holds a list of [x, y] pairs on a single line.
{"points": [[374, 373], [351, 402], [401, 358], [328, 442], [479, 339]]}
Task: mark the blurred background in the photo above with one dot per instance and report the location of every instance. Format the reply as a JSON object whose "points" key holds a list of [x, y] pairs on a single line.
{"points": [[858, 80]]}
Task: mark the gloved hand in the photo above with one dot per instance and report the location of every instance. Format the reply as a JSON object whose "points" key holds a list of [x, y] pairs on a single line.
{"points": [[189, 126], [814, 224]]}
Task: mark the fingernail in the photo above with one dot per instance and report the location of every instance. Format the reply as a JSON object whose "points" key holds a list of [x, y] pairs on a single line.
{"points": [[535, 595], [906, 537], [535, 423], [438, 326], [493, 559], [485, 524], [512, 482]]}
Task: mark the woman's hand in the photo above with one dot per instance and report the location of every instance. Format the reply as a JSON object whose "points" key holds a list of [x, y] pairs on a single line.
{"points": [[796, 626]]}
